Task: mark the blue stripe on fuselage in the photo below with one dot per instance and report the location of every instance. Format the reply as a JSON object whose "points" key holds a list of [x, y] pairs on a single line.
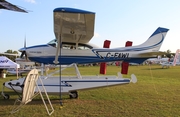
{"points": [[65, 60], [85, 81]]}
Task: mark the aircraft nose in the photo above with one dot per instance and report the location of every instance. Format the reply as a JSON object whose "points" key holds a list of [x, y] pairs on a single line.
{"points": [[23, 52], [22, 49]]}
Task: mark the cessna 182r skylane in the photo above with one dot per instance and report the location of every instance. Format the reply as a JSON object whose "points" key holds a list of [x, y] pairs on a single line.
{"points": [[73, 29]]}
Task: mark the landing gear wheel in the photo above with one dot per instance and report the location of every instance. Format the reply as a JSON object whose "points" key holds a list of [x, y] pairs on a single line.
{"points": [[73, 95], [6, 96]]}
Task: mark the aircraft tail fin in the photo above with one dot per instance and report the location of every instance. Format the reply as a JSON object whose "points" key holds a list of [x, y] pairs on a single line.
{"points": [[155, 41]]}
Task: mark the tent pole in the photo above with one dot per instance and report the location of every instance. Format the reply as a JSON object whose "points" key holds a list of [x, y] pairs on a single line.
{"points": [[17, 72]]}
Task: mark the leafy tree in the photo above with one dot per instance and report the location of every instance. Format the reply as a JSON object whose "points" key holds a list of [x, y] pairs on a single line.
{"points": [[168, 51], [168, 54]]}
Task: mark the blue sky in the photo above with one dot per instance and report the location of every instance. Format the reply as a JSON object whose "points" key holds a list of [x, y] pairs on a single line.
{"points": [[116, 20]]}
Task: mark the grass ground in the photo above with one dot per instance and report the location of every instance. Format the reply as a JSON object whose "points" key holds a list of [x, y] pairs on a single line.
{"points": [[156, 94]]}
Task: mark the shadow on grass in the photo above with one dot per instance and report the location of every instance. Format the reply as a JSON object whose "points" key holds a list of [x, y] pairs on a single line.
{"points": [[154, 69], [9, 101], [37, 100]]}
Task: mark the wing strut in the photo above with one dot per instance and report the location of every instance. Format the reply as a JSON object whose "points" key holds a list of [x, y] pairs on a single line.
{"points": [[58, 23], [58, 49]]}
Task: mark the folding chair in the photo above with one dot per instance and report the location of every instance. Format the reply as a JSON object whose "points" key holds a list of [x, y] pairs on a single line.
{"points": [[29, 92]]}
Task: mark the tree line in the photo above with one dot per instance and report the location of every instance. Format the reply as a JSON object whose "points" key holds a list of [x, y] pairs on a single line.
{"points": [[10, 56], [168, 54]]}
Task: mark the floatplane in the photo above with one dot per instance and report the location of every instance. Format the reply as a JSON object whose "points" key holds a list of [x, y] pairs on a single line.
{"points": [[73, 29]]}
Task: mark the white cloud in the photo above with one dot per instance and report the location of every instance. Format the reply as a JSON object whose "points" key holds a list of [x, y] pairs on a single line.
{"points": [[75, 5], [31, 1]]}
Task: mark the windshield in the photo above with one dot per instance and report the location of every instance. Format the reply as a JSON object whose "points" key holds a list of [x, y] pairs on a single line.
{"points": [[53, 43]]}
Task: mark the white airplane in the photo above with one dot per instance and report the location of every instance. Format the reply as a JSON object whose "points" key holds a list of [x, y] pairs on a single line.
{"points": [[166, 64], [73, 29], [158, 60], [84, 52], [172, 62]]}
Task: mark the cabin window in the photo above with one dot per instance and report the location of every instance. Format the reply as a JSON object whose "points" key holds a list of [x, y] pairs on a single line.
{"points": [[84, 47], [68, 45]]}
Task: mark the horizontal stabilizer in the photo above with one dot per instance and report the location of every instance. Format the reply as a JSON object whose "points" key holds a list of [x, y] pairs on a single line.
{"points": [[152, 53]]}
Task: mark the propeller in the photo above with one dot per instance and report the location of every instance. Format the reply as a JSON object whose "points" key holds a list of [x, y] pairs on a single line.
{"points": [[22, 54], [23, 50]]}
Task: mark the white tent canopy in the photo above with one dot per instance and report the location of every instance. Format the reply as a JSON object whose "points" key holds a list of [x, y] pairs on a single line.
{"points": [[6, 63]]}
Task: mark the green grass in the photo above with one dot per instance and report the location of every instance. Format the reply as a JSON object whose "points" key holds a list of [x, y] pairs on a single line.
{"points": [[156, 94]]}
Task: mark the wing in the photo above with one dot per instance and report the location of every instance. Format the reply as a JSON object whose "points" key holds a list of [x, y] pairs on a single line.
{"points": [[9, 54], [6, 5], [74, 25]]}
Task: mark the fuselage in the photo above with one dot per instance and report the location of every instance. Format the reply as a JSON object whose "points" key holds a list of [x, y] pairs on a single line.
{"points": [[80, 53]]}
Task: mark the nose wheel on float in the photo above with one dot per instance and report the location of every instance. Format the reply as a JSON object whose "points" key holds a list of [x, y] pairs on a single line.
{"points": [[73, 95], [6, 96]]}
